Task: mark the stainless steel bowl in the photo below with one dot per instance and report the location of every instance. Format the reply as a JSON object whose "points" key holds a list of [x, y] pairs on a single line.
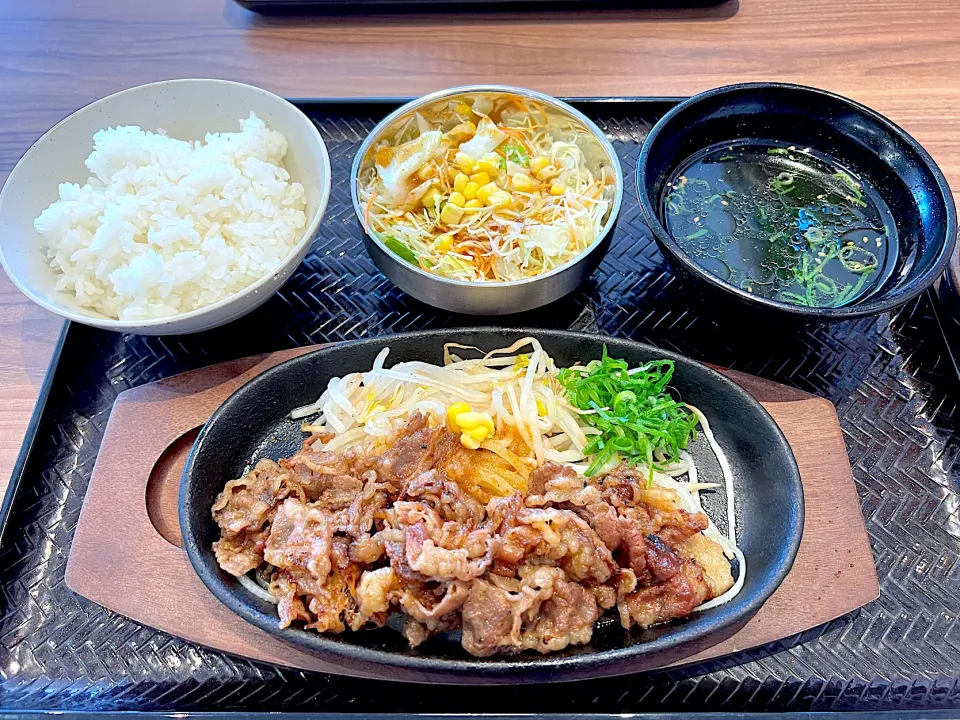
{"points": [[487, 298]]}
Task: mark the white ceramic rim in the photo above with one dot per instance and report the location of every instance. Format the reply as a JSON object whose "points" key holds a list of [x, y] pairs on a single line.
{"points": [[135, 325]]}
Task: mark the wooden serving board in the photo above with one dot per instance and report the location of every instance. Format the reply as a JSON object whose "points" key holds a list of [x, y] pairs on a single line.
{"points": [[127, 553]]}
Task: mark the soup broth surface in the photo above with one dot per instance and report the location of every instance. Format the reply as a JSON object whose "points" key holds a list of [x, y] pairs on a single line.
{"points": [[783, 222]]}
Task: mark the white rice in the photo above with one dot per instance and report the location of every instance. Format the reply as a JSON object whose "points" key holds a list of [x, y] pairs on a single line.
{"points": [[166, 226]]}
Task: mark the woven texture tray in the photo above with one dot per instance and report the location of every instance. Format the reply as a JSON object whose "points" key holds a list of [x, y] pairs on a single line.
{"points": [[889, 378]]}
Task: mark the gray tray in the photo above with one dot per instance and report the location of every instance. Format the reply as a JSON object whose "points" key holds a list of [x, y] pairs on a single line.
{"points": [[889, 377]]}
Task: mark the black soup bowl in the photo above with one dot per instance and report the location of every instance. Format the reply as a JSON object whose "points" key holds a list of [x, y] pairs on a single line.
{"points": [[902, 172], [254, 423]]}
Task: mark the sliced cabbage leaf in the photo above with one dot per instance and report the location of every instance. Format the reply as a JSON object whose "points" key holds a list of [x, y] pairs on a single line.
{"points": [[483, 104], [551, 239], [415, 195], [396, 165], [487, 139]]}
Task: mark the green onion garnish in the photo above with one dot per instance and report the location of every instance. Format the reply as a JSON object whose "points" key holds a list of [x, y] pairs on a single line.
{"points": [[632, 409], [517, 154]]}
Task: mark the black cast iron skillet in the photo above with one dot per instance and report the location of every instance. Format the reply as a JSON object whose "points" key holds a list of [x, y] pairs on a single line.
{"points": [[253, 424]]}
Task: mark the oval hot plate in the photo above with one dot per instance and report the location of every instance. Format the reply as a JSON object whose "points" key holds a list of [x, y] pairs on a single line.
{"points": [[253, 423]]}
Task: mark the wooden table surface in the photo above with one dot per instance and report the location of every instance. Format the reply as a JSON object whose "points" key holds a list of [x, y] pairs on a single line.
{"points": [[901, 57]]}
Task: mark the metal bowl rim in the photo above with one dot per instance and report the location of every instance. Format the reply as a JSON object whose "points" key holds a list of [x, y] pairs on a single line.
{"points": [[439, 95]]}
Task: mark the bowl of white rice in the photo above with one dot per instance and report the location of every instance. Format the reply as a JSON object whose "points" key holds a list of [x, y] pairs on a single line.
{"points": [[165, 209]]}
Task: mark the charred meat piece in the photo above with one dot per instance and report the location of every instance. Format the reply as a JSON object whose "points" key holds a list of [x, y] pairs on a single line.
{"points": [[246, 504], [412, 453], [445, 496], [241, 553], [420, 525], [675, 598], [444, 550], [662, 562], [546, 613], [552, 484], [301, 537]]}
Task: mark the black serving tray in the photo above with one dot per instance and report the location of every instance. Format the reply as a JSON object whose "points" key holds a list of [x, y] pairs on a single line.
{"points": [[890, 378]]}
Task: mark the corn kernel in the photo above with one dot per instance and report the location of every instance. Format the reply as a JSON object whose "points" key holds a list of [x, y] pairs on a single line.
{"points": [[451, 214], [452, 172], [479, 433], [463, 108], [473, 204], [470, 190], [471, 420], [469, 442], [457, 199], [430, 197], [462, 132], [489, 163], [426, 172], [539, 163], [480, 178], [557, 189], [548, 172], [500, 199], [460, 182], [541, 408], [444, 243], [465, 162], [484, 193], [453, 411], [522, 182]]}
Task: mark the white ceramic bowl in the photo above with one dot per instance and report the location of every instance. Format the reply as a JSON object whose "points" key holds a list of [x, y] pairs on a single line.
{"points": [[185, 109]]}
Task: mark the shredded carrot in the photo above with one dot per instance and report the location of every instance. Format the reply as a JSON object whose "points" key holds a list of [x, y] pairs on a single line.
{"points": [[518, 137], [366, 210], [518, 101], [573, 232], [489, 271], [594, 193]]}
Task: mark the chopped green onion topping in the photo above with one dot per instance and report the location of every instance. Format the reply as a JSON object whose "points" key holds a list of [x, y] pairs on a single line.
{"points": [[517, 154], [632, 409]]}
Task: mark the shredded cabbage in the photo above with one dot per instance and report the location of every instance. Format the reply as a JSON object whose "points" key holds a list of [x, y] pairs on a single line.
{"points": [[554, 181]]}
